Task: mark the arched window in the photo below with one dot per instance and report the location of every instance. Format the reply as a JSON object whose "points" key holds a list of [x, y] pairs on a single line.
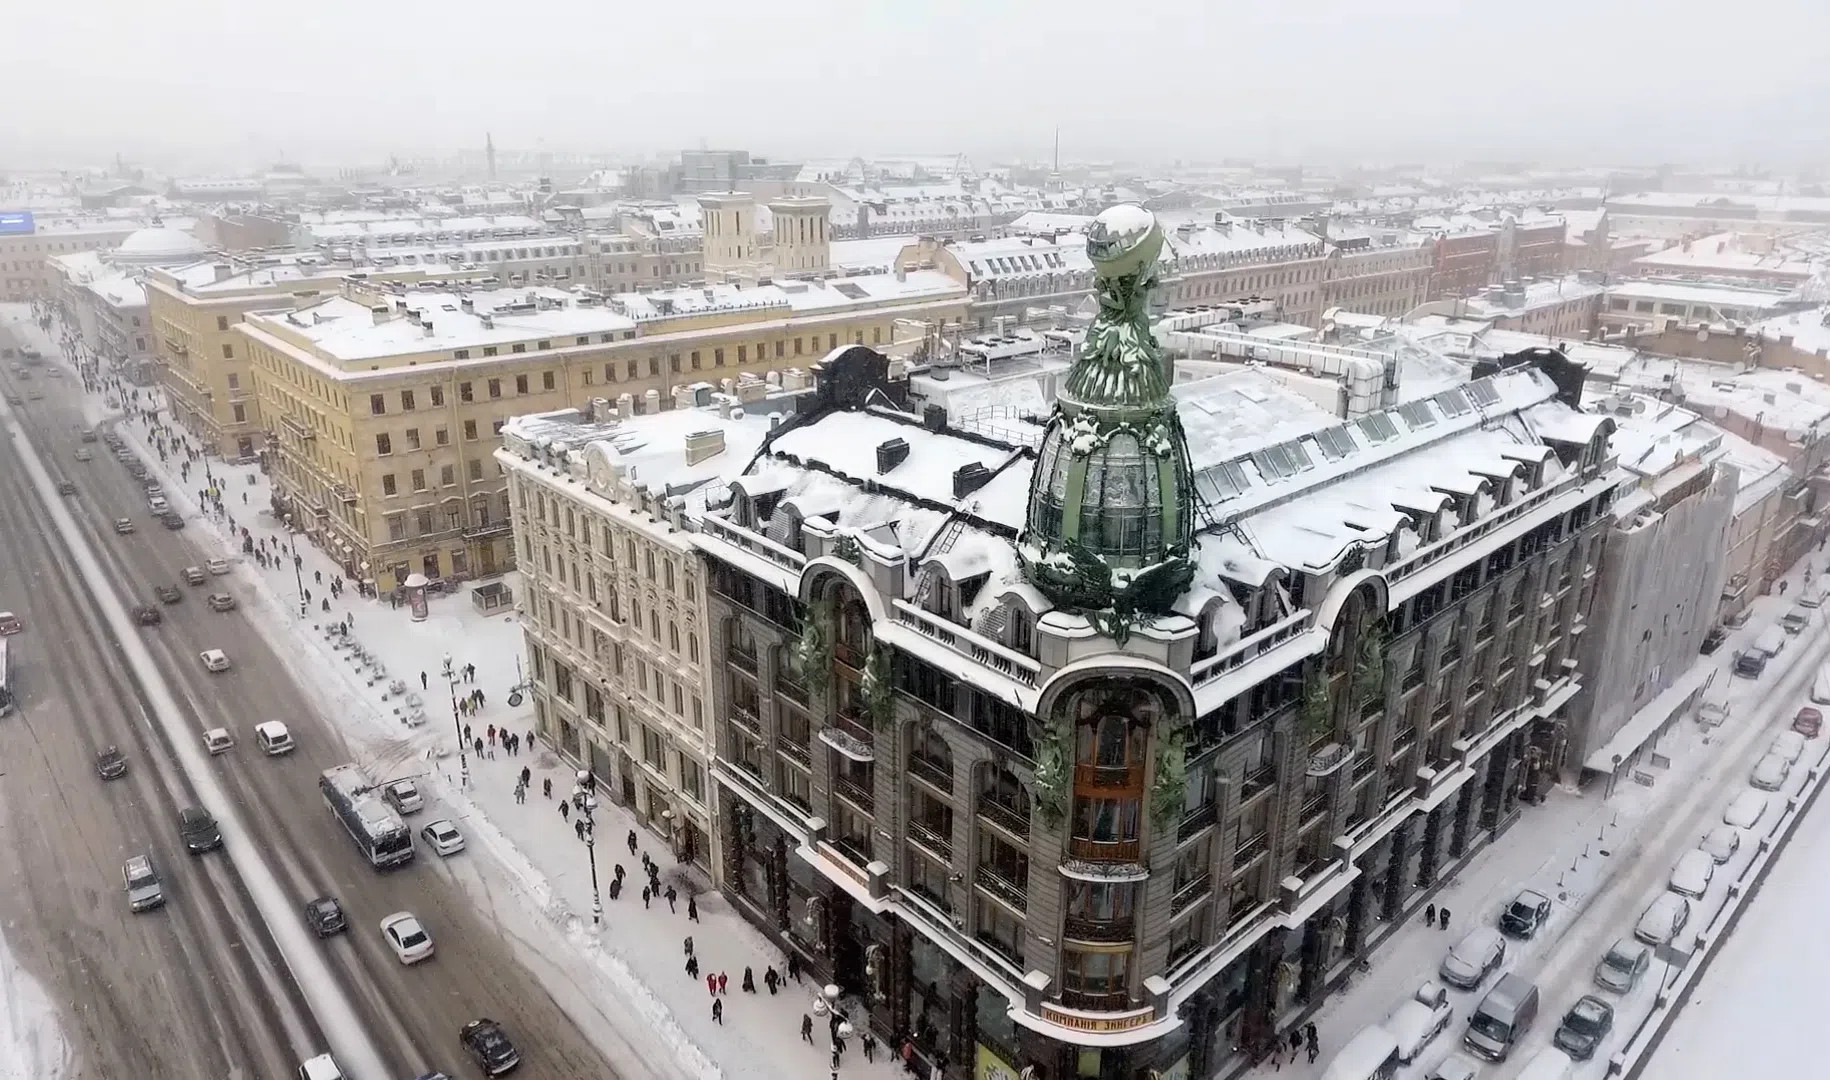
{"points": [[1004, 800], [931, 757]]}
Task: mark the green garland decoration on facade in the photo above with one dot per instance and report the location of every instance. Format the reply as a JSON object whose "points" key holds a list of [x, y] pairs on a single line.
{"points": [[1317, 715], [1051, 782], [846, 547], [1169, 791], [1369, 666], [813, 652], [876, 688]]}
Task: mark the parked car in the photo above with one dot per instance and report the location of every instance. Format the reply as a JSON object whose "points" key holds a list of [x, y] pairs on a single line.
{"points": [[486, 1042], [1820, 686], [110, 763], [1796, 618], [1721, 843], [1745, 810], [214, 660], [404, 796], [1809, 722], [199, 830], [1663, 919], [1417, 1022], [443, 836], [1713, 712], [222, 601], [1584, 1026], [409, 939], [1480, 952], [144, 891], [1770, 774], [1622, 965], [321, 1067], [1528, 911], [218, 741], [325, 916], [1692, 874], [1713, 638], [1458, 1067]]}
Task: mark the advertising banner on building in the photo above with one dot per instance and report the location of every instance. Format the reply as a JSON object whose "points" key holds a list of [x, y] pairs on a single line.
{"points": [[17, 223], [992, 1067]]}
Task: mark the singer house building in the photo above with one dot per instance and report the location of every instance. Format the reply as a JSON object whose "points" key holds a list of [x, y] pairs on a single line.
{"points": [[1107, 744]]}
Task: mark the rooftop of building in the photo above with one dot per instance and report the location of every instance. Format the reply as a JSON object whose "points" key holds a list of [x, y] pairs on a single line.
{"points": [[1729, 252], [392, 229], [1699, 292], [1781, 401], [114, 285], [873, 253], [812, 296], [1529, 297], [231, 274], [1808, 331], [347, 329]]}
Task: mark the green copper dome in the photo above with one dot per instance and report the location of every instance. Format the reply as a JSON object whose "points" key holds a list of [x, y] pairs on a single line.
{"points": [[1110, 515]]}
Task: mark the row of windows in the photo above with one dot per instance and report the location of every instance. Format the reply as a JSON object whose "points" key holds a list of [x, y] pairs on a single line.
{"points": [[447, 477]]}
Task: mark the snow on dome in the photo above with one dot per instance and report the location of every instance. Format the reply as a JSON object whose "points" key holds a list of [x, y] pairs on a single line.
{"points": [[158, 243]]}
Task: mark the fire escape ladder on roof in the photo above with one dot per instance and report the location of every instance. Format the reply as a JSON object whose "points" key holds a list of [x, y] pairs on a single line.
{"points": [[930, 575]]}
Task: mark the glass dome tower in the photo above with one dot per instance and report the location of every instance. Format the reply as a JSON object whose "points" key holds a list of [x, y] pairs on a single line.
{"points": [[1110, 515]]}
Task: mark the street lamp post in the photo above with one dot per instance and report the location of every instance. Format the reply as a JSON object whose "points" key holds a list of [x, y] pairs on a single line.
{"points": [[587, 814], [457, 726]]}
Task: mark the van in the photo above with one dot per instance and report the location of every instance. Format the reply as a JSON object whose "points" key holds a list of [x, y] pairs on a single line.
{"points": [[1549, 1063], [1503, 1018], [1370, 1055]]}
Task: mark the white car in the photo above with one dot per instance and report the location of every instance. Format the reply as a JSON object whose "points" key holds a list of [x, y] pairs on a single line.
{"points": [[1721, 843], [1771, 773], [214, 660], [1420, 1020], [1820, 687], [1789, 745], [404, 796], [1692, 874], [273, 738], [1663, 919], [1747, 809], [443, 836], [218, 566], [404, 934], [218, 741], [1474, 957], [1458, 1067]]}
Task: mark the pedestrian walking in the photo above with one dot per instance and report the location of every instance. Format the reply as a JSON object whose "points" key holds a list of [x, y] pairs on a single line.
{"points": [[749, 981], [711, 984], [565, 811], [619, 871], [688, 945], [579, 828], [616, 888], [718, 1010], [692, 909], [723, 981], [479, 747], [672, 894], [868, 1043], [1314, 1052], [1442, 918], [771, 979], [1429, 915], [644, 894], [547, 784], [526, 775], [520, 793], [466, 732], [692, 967], [492, 734], [632, 846], [807, 1029], [794, 966]]}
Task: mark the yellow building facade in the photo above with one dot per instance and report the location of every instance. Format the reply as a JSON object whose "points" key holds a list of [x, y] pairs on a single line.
{"points": [[382, 406]]}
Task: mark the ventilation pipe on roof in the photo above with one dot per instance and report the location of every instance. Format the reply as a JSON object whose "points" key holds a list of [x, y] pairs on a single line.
{"points": [[380, 313]]}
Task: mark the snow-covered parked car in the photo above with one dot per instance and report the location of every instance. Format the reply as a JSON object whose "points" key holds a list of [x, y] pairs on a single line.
{"points": [[1771, 773], [1622, 965], [1372, 1054], [1418, 1021], [1663, 919], [1692, 874], [1789, 745], [1746, 809], [1721, 842], [1481, 951]]}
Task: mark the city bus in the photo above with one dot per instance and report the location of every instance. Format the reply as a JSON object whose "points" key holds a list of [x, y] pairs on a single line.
{"points": [[6, 687], [379, 833]]}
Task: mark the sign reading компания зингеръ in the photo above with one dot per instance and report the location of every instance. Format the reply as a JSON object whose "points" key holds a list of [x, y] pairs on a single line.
{"points": [[17, 223]]}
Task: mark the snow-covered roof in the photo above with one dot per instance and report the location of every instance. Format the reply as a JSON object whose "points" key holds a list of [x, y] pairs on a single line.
{"points": [[845, 442], [648, 451], [343, 329], [1696, 292], [861, 290], [873, 253]]}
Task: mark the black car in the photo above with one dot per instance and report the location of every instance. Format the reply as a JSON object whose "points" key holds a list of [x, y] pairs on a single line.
{"points": [[111, 764], [167, 594], [172, 519], [199, 830], [1528, 911], [147, 615], [1584, 1026], [1713, 639], [485, 1041], [325, 916]]}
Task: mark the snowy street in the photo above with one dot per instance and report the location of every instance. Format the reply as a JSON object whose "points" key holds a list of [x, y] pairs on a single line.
{"points": [[1601, 860]]}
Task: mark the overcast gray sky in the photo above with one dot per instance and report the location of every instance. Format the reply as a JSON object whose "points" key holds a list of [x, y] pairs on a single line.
{"points": [[328, 80]]}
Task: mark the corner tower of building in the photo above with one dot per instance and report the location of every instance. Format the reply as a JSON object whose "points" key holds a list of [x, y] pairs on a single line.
{"points": [[1109, 522]]}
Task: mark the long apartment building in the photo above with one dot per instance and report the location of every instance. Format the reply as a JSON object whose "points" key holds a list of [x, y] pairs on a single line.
{"points": [[1112, 749], [27, 247], [382, 404]]}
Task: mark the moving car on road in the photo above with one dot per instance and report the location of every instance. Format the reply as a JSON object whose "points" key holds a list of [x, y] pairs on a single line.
{"points": [[218, 741], [443, 836], [83, 453], [222, 601], [147, 615], [167, 594], [110, 763], [143, 889], [66, 487], [214, 660], [407, 937], [322, 1067], [218, 566], [9, 623], [199, 830], [194, 575], [123, 526], [404, 796], [325, 916], [273, 738], [172, 519], [487, 1044]]}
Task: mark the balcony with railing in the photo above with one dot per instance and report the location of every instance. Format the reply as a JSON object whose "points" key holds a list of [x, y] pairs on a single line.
{"points": [[1189, 892], [744, 659], [1315, 805], [1099, 931], [1108, 777], [746, 720], [855, 793], [1012, 893], [790, 688], [1257, 780], [852, 656], [1250, 847], [932, 836], [1006, 816], [795, 751], [931, 771], [1112, 1001], [1119, 851], [1203, 816]]}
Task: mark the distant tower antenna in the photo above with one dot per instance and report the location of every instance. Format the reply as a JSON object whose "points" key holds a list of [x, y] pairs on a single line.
{"points": [[1057, 148], [489, 152]]}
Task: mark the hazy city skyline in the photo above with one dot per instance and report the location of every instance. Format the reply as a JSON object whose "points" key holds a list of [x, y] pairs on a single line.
{"points": [[206, 82]]}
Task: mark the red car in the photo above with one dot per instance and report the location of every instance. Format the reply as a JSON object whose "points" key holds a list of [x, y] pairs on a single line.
{"points": [[1808, 722]]}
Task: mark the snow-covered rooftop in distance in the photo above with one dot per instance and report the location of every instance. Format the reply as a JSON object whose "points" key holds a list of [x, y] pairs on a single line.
{"points": [[1241, 411], [393, 229], [92, 271], [1021, 256], [1781, 401], [1809, 330], [346, 330], [862, 290], [1239, 238], [845, 442], [1696, 292], [1538, 295], [1047, 222], [874, 253]]}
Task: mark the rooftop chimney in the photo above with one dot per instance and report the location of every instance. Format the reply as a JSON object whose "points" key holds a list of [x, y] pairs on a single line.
{"points": [[969, 478], [891, 453], [702, 445], [223, 270], [380, 312]]}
